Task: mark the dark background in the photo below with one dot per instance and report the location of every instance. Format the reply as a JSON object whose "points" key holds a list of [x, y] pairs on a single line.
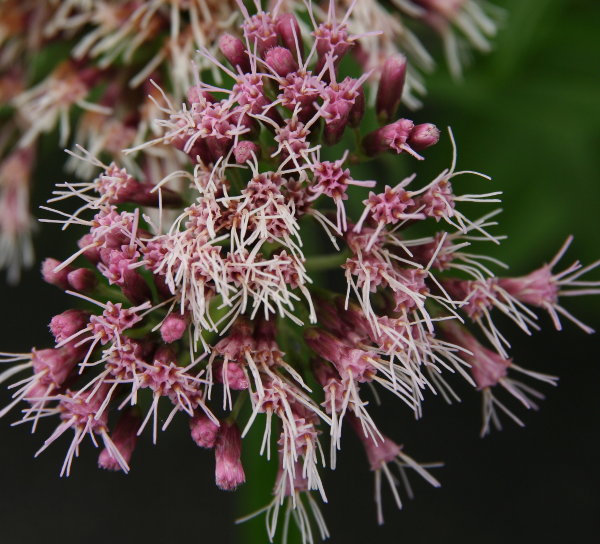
{"points": [[529, 115]]}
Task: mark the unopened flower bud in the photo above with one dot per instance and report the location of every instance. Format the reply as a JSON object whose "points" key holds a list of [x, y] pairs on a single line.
{"points": [[233, 375], [243, 151], [124, 438], [289, 32], [391, 85], [333, 132], [65, 325], [234, 51], [392, 137], [423, 135], [281, 61], [173, 327], [56, 277], [204, 431], [82, 279], [229, 472]]}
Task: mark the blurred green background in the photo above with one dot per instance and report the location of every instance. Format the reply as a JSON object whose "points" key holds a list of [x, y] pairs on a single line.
{"points": [[529, 116]]}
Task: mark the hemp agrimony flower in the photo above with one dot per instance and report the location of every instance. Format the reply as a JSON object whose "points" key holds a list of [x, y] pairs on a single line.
{"points": [[115, 46], [198, 286]]}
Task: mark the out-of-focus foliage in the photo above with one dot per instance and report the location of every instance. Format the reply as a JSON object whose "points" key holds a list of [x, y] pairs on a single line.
{"points": [[529, 115]]}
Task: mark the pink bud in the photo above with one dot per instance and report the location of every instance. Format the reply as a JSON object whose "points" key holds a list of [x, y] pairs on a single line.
{"points": [[173, 327], [68, 323], [392, 137], [289, 32], [233, 375], [56, 363], [124, 438], [424, 135], [82, 279], [390, 88], [229, 472], [56, 277], [243, 151], [234, 51], [204, 431], [281, 61], [334, 131]]}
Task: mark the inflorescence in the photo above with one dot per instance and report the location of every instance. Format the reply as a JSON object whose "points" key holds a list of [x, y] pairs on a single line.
{"points": [[197, 292], [84, 67]]}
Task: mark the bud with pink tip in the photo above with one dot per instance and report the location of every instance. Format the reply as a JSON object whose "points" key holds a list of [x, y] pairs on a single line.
{"points": [[392, 137], [281, 60], [82, 279], [65, 325], [289, 32], [229, 472], [391, 85], [204, 431], [244, 150], [56, 277], [232, 374], [124, 438], [234, 51], [173, 327], [423, 136]]}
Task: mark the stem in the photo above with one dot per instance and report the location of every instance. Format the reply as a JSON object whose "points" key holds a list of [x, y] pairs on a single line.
{"points": [[326, 262], [237, 405]]}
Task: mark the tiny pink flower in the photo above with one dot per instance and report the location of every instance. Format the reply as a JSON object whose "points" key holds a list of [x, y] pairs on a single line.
{"points": [[204, 431], [229, 472]]}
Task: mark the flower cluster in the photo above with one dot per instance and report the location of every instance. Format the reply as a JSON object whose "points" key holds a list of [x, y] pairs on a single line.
{"points": [[115, 46], [198, 292]]}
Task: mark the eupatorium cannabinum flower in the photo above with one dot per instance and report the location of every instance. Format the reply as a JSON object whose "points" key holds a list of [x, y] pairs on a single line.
{"points": [[116, 46], [196, 289]]}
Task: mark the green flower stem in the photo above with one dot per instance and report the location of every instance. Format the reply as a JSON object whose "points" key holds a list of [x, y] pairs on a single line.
{"points": [[326, 262]]}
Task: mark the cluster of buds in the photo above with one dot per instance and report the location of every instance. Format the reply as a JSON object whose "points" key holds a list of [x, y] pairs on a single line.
{"points": [[116, 46], [200, 300]]}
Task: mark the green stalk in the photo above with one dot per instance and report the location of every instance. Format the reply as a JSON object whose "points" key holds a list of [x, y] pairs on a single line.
{"points": [[326, 262]]}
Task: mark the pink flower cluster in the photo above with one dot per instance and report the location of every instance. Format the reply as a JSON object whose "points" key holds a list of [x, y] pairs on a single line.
{"points": [[198, 291], [103, 53]]}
